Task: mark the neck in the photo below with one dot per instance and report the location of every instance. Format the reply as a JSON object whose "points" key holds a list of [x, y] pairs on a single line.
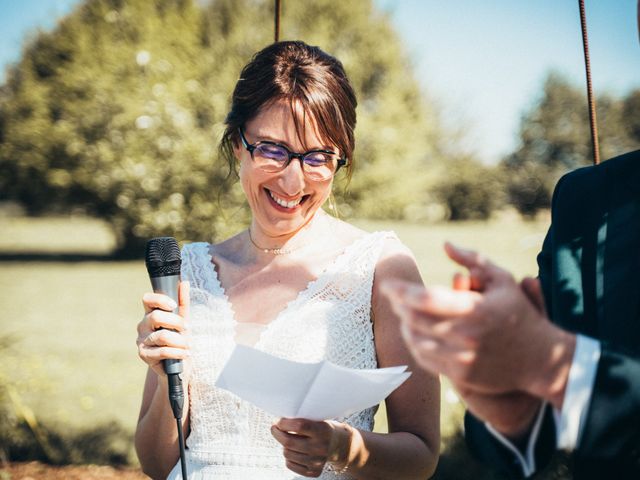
{"points": [[283, 244]]}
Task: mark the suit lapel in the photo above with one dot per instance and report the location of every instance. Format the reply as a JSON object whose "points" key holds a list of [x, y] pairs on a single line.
{"points": [[617, 279]]}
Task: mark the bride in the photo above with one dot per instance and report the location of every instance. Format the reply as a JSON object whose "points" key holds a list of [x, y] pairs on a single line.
{"points": [[297, 283]]}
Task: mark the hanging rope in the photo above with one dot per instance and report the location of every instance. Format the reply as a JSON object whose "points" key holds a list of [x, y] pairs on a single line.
{"points": [[592, 103], [276, 27]]}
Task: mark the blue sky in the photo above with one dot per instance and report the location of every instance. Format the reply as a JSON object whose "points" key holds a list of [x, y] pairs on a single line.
{"points": [[483, 62]]}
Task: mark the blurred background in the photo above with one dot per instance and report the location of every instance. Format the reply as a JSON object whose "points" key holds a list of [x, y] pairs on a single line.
{"points": [[110, 115]]}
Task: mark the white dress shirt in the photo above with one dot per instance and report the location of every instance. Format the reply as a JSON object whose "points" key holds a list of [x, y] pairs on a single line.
{"points": [[570, 420]]}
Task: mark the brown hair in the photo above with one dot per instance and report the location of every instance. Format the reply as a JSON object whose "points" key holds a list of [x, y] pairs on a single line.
{"points": [[304, 76]]}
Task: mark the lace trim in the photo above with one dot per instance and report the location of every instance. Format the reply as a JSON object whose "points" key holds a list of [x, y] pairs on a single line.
{"points": [[212, 284]]}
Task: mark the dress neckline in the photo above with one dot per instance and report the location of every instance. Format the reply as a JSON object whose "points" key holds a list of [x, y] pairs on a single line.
{"points": [[302, 294]]}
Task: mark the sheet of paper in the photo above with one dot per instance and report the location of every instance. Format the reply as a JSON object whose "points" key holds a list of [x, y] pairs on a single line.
{"points": [[317, 391]]}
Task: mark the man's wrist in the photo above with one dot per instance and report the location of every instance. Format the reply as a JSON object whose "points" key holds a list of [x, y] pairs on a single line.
{"points": [[550, 378], [519, 432]]}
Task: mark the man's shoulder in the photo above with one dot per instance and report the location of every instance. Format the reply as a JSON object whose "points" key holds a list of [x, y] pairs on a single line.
{"points": [[624, 167]]}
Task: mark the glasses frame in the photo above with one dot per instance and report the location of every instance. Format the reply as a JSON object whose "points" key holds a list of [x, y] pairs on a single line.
{"points": [[291, 155]]}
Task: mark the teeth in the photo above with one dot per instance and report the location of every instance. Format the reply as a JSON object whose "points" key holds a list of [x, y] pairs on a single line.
{"points": [[284, 203]]}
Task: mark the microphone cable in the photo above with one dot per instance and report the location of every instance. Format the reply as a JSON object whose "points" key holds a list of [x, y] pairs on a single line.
{"points": [[176, 399]]}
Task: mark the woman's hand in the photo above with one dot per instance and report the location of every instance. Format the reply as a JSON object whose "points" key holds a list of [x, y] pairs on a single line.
{"points": [[309, 445], [163, 334]]}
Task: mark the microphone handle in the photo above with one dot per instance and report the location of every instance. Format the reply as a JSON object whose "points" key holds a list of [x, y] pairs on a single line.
{"points": [[168, 286]]}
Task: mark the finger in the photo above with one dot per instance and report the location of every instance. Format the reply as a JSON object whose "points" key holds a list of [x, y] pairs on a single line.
{"points": [[301, 469], [300, 426], [290, 441], [533, 290], [432, 346], [465, 257], [157, 319], [433, 301], [425, 357], [165, 338], [481, 269], [153, 301], [461, 281], [310, 462], [184, 299], [396, 289], [153, 355]]}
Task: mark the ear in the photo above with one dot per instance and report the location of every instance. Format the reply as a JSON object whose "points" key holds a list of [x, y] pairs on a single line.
{"points": [[236, 146]]}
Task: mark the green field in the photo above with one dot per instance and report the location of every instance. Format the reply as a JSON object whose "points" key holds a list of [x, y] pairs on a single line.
{"points": [[71, 321]]}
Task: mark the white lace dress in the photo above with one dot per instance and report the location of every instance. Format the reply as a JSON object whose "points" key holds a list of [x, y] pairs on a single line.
{"points": [[330, 319]]}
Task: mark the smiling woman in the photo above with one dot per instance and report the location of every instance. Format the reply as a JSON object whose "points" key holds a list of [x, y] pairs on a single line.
{"points": [[298, 284], [282, 202]]}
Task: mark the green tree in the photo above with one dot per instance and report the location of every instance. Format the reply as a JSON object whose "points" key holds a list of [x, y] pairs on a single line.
{"points": [[631, 113], [118, 112], [555, 138], [104, 113], [470, 190]]}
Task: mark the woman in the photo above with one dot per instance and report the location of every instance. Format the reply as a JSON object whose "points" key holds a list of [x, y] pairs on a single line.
{"points": [[298, 284]]}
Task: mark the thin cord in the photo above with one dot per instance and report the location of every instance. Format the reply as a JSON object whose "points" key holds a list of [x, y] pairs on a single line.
{"points": [[592, 102], [176, 399], [277, 21], [183, 460]]}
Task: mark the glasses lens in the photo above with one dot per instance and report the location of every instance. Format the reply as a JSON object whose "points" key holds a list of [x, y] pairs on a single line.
{"points": [[319, 165], [270, 157]]}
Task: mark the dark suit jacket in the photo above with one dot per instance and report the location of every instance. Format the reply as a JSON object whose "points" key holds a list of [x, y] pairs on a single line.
{"points": [[590, 273]]}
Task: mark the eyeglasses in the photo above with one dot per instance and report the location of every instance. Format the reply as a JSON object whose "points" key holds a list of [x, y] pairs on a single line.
{"points": [[273, 157]]}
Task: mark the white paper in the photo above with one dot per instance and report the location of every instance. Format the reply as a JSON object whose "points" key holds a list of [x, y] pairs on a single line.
{"points": [[317, 391]]}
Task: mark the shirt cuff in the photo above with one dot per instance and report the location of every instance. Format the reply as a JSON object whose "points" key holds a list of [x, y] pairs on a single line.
{"points": [[570, 420], [527, 460]]}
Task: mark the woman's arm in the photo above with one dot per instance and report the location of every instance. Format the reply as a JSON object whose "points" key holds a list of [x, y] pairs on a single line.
{"points": [[411, 448], [161, 336]]}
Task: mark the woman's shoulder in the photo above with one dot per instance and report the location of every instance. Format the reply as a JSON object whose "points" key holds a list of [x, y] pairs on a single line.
{"points": [[350, 233], [390, 246]]}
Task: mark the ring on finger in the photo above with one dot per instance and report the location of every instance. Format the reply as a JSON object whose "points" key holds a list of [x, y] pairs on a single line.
{"points": [[152, 339]]}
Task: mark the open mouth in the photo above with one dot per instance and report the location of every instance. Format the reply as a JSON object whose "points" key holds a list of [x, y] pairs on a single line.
{"points": [[286, 205]]}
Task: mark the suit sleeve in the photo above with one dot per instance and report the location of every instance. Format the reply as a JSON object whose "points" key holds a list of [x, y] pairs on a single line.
{"points": [[610, 441]]}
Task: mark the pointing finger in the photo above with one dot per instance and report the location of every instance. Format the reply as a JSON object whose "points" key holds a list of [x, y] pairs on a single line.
{"points": [[465, 257], [482, 271]]}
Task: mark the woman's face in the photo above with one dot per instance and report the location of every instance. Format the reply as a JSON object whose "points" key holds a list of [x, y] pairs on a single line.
{"points": [[282, 202]]}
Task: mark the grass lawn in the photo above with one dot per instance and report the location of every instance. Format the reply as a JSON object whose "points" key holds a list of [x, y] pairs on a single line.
{"points": [[71, 324]]}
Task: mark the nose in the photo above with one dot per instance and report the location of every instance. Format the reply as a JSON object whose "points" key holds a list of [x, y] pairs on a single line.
{"points": [[292, 179]]}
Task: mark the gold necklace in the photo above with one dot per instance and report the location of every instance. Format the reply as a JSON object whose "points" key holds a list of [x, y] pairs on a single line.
{"points": [[273, 251]]}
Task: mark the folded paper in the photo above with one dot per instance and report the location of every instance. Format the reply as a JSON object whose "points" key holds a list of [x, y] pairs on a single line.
{"points": [[317, 391]]}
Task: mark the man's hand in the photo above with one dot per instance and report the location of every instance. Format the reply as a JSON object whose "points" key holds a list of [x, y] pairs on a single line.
{"points": [[490, 341]]}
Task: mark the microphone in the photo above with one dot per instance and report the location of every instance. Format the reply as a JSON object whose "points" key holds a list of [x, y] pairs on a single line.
{"points": [[162, 258]]}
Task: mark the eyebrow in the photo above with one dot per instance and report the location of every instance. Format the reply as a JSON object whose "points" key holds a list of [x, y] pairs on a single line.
{"points": [[267, 138]]}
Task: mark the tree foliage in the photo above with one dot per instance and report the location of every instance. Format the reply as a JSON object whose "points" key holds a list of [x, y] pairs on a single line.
{"points": [[555, 138], [118, 112], [470, 190]]}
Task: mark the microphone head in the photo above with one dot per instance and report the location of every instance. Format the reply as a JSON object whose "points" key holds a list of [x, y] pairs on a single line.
{"points": [[162, 257]]}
